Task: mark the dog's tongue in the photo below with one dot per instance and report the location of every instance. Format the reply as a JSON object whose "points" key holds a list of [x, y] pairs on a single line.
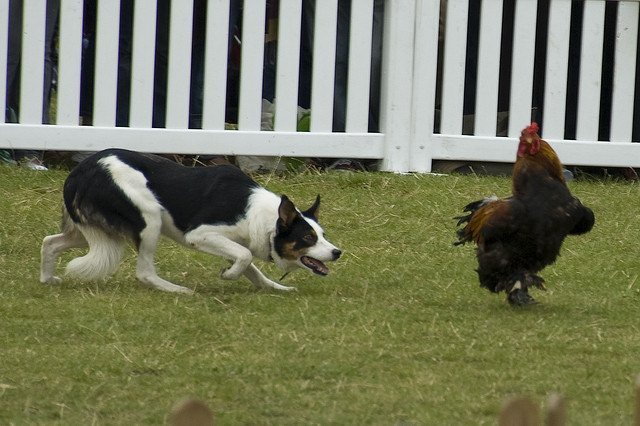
{"points": [[315, 265]]}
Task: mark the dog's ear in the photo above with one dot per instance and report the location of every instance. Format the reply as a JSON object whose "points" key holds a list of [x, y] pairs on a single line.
{"points": [[287, 214], [313, 211]]}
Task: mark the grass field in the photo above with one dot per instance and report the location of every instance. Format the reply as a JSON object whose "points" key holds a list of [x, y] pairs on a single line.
{"points": [[398, 333]]}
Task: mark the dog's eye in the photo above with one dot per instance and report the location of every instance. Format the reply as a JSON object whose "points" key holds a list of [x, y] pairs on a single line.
{"points": [[309, 238]]}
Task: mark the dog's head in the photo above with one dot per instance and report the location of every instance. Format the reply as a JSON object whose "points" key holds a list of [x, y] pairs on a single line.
{"points": [[299, 240]]}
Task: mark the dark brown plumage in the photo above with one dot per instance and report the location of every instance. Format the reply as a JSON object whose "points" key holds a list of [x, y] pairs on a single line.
{"points": [[518, 236]]}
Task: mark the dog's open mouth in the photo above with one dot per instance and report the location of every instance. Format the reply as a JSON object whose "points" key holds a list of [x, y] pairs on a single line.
{"points": [[315, 265]]}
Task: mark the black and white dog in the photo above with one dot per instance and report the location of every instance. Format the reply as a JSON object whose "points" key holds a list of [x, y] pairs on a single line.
{"points": [[117, 195]]}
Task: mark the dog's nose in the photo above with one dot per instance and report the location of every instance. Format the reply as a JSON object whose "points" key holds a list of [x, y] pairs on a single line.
{"points": [[336, 253]]}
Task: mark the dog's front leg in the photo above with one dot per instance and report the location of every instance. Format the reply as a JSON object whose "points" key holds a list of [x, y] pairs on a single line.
{"points": [[260, 280], [220, 245]]}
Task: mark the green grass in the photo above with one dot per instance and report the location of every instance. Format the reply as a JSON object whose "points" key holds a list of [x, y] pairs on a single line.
{"points": [[399, 332]]}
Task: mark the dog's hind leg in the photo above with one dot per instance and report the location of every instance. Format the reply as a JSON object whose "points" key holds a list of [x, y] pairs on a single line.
{"points": [[52, 247], [260, 280], [145, 268]]}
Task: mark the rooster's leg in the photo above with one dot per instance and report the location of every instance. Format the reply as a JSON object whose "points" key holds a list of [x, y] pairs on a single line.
{"points": [[536, 281], [518, 295]]}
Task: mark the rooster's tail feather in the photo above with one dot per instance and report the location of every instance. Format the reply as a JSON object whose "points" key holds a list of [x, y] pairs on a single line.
{"points": [[463, 235]]}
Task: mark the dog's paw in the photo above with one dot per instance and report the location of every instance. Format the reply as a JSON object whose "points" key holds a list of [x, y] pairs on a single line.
{"points": [[53, 280], [184, 290], [230, 273], [285, 288], [274, 285]]}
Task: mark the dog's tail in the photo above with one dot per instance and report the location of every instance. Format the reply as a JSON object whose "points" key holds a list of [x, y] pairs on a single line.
{"points": [[103, 258]]}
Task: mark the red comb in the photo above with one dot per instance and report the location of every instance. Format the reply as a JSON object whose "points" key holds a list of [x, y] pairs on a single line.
{"points": [[532, 128]]}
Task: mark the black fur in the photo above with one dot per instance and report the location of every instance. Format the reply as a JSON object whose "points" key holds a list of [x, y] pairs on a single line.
{"points": [[179, 189]]}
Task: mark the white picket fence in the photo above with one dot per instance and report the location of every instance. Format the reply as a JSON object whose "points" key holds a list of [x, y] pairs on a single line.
{"points": [[406, 142]]}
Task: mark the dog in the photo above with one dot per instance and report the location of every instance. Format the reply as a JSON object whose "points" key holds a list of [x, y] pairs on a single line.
{"points": [[116, 196]]}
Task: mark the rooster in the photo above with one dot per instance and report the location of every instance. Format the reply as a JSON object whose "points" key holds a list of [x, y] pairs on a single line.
{"points": [[518, 236]]}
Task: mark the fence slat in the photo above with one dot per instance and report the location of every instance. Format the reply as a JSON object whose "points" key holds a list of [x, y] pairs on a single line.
{"points": [[69, 62], [4, 43], [179, 64], [557, 63], [397, 83], [324, 61], [288, 63], [106, 74], [455, 42], [624, 74], [488, 68], [524, 39], [215, 65], [425, 65], [590, 71], [142, 63], [360, 32], [32, 62], [252, 57]]}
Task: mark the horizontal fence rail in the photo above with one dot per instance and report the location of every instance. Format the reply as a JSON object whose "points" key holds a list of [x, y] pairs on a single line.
{"points": [[347, 145], [402, 81]]}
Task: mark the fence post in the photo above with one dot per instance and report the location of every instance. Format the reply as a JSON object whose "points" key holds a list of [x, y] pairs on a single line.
{"points": [[397, 83]]}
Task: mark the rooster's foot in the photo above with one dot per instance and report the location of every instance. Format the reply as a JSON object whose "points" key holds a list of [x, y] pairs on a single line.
{"points": [[519, 296]]}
